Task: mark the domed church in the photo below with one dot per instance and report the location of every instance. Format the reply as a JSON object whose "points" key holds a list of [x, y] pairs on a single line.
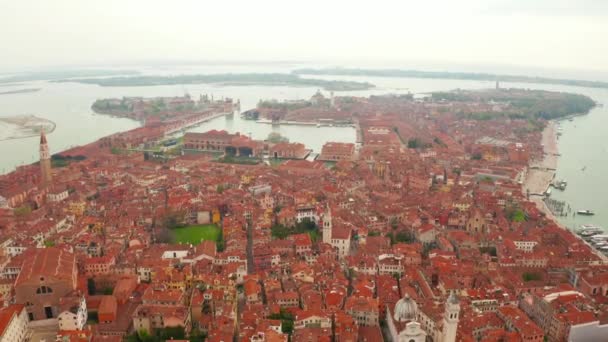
{"points": [[403, 321]]}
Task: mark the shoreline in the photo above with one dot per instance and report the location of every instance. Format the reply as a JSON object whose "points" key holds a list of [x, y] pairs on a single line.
{"points": [[541, 172], [539, 180]]}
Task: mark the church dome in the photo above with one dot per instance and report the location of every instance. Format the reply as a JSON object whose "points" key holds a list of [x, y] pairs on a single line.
{"points": [[405, 309]]}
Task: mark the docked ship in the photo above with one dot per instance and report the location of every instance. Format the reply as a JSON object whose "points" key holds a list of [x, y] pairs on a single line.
{"points": [[587, 231], [586, 212], [560, 184]]}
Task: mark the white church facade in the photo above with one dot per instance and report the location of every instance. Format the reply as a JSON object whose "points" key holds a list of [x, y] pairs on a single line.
{"points": [[403, 322]]}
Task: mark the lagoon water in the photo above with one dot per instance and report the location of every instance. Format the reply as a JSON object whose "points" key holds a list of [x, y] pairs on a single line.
{"points": [[584, 142]]}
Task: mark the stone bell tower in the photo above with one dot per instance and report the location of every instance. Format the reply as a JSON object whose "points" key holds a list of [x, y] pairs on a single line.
{"points": [[45, 161], [450, 318]]}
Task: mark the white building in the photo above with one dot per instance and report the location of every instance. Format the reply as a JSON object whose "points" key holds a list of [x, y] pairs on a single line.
{"points": [[14, 323], [404, 322], [592, 331], [73, 315]]}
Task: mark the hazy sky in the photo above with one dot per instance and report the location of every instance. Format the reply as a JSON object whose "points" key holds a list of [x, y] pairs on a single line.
{"points": [[551, 33]]}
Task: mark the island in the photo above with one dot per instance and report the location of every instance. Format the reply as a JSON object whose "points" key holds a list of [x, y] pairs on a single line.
{"points": [[518, 103], [448, 75], [62, 74], [23, 126], [272, 79], [163, 108], [483, 104], [20, 91]]}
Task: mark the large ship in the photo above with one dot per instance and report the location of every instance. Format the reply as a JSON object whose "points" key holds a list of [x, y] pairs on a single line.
{"points": [[587, 231]]}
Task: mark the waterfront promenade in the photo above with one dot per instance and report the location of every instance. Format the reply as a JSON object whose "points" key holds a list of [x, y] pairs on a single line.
{"points": [[541, 174]]}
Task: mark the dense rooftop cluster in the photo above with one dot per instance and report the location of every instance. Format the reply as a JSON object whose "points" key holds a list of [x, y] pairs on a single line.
{"points": [[421, 232]]}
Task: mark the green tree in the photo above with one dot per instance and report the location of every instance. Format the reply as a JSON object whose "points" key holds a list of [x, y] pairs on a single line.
{"points": [[394, 222], [286, 318], [404, 236], [531, 276], [91, 286], [172, 333], [23, 210], [206, 309], [279, 231], [275, 137]]}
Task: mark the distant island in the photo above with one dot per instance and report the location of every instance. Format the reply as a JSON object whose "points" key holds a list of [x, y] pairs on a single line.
{"points": [[62, 74], [23, 126], [225, 79], [163, 108], [449, 75], [19, 91], [517, 103]]}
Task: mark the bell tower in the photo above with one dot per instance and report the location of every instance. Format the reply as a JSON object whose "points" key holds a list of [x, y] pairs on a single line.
{"points": [[450, 318], [327, 226], [46, 175]]}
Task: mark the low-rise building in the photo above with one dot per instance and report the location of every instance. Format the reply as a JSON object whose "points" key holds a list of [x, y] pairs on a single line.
{"points": [[14, 323]]}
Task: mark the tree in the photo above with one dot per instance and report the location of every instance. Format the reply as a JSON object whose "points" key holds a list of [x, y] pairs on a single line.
{"points": [[172, 333], [413, 143], [279, 231], [23, 210], [163, 235], [394, 222], [219, 244], [275, 137], [206, 307], [404, 236], [286, 318], [531, 276], [197, 336], [91, 286]]}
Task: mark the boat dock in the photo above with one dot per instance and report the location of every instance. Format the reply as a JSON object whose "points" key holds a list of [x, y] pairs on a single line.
{"points": [[558, 208]]}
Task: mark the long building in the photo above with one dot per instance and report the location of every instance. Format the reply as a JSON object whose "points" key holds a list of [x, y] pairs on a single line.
{"points": [[222, 141]]}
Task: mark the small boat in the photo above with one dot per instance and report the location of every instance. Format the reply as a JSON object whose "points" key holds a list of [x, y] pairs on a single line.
{"points": [[585, 212], [584, 168], [560, 184], [589, 235], [571, 119], [590, 226]]}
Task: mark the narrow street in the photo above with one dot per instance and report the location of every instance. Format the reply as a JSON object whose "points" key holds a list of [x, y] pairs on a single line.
{"points": [[250, 267]]}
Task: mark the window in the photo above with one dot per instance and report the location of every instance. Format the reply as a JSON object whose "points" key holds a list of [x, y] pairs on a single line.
{"points": [[44, 290]]}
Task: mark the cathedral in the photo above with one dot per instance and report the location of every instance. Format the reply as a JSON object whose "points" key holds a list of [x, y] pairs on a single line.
{"points": [[404, 322]]}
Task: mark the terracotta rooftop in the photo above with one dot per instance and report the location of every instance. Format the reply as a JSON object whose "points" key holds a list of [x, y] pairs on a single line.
{"points": [[47, 262]]}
